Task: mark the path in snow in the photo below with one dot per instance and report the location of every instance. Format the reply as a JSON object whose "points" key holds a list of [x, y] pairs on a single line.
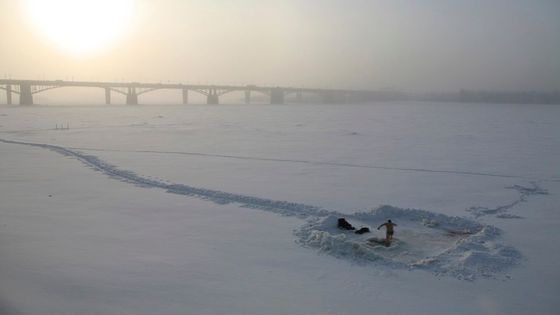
{"points": [[438, 243], [220, 197]]}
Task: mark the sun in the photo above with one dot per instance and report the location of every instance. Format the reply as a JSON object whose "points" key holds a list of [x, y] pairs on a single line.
{"points": [[80, 27]]}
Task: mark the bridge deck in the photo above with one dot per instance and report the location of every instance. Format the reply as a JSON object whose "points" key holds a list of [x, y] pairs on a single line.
{"points": [[26, 89]]}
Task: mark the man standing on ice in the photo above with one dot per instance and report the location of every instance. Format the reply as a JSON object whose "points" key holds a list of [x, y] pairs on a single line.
{"points": [[389, 230]]}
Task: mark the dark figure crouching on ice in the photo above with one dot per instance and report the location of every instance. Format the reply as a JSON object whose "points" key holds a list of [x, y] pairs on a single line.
{"points": [[389, 230]]}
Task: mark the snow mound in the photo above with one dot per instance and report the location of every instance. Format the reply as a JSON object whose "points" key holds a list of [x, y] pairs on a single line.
{"points": [[441, 244]]}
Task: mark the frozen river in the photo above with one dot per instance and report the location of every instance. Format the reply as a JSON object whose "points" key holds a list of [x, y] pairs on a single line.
{"points": [[87, 223]]}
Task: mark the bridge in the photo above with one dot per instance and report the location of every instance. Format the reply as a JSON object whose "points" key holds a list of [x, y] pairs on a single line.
{"points": [[132, 90]]}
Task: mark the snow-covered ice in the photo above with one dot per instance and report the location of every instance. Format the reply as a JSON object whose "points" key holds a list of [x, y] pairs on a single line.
{"points": [[232, 209], [417, 247]]}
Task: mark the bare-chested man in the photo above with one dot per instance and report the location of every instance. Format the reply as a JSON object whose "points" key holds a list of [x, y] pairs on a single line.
{"points": [[389, 230]]}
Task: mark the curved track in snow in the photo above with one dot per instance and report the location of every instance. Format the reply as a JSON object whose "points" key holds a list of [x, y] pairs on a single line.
{"points": [[280, 207]]}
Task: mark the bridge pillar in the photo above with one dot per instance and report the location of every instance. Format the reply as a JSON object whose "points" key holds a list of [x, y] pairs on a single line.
{"points": [[9, 94], [131, 96], [107, 95], [185, 96], [25, 95], [276, 96], [247, 96], [213, 98]]}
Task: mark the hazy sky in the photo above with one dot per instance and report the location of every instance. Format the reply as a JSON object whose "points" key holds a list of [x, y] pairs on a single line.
{"points": [[408, 45]]}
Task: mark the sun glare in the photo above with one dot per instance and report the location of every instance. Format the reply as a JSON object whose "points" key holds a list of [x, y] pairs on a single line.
{"points": [[80, 27]]}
